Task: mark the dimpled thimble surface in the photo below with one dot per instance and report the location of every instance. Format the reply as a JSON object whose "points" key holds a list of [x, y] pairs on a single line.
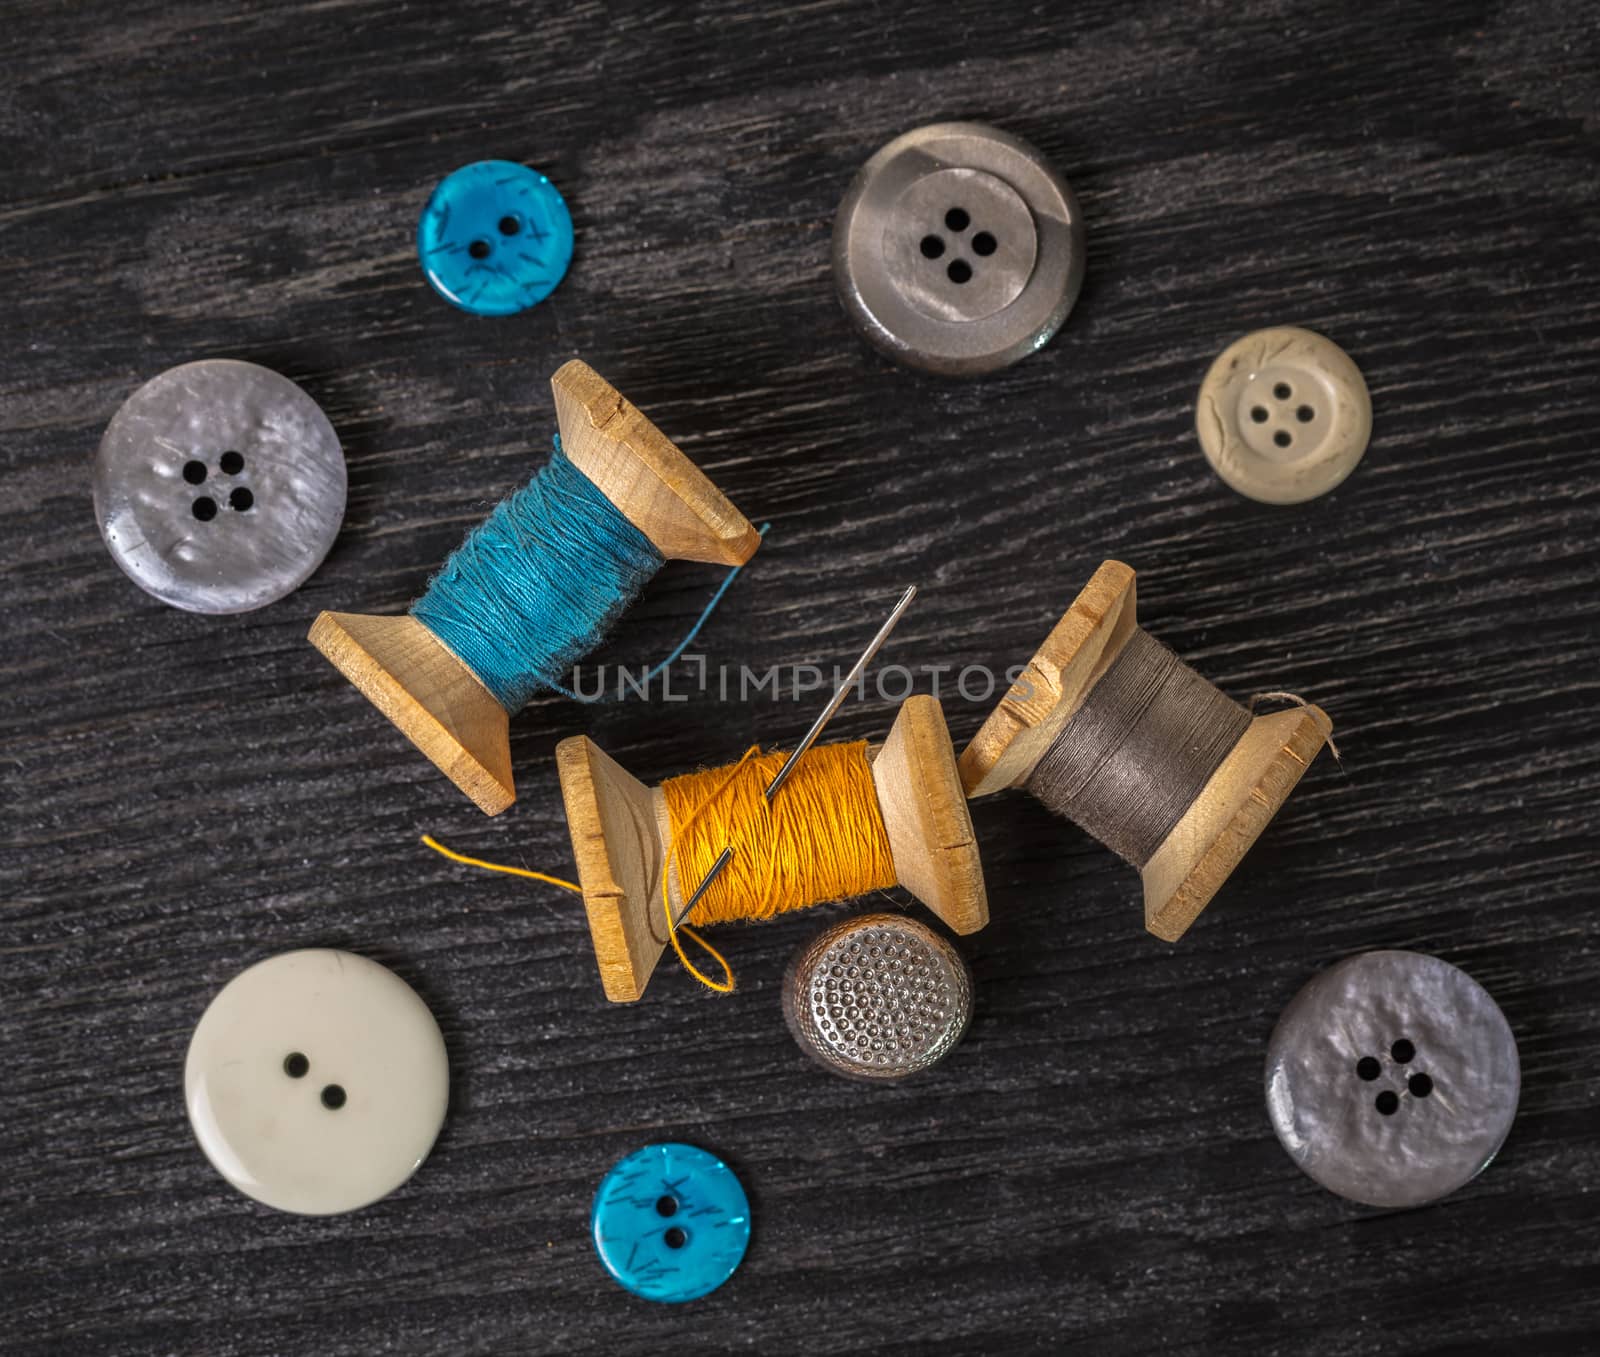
{"points": [[878, 997]]}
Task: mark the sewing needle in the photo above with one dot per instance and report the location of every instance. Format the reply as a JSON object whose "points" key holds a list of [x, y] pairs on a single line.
{"points": [[834, 703]]}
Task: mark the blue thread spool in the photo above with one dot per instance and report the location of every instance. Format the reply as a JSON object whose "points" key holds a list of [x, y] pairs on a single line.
{"points": [[536, 586]]}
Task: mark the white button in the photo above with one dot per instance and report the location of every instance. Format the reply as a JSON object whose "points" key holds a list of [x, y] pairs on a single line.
{"points": [[1283, 415], [316, 1082]]}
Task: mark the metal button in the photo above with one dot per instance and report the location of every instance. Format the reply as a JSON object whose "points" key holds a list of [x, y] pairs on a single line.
{"points": [[316, 1082], [1392, 1078], [877, 997], [671, 1222], [958, 249], [219, 486], [495, 238], [1283, 415]]}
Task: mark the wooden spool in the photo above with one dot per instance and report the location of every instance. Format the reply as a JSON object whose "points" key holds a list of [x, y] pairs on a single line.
{"points": [[438, 703], [1236, 804], [622, 838]]}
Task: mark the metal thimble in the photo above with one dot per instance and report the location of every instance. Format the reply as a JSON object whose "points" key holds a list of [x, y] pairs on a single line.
{"points": [[877, 997]]}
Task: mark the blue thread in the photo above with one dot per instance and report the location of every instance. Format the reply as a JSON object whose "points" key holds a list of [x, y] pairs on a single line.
{"points": [[699, 622], [538, 584]]}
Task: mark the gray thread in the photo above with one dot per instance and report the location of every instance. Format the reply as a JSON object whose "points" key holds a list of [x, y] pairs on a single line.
{"points": [[1133, 758]]}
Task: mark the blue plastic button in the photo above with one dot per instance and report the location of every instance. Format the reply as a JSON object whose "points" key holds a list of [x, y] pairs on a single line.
{"points": [[671, 1222], [495, 238]]}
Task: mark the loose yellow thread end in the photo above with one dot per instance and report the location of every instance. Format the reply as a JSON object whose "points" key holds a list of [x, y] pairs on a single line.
{"points": [[438, 847]]}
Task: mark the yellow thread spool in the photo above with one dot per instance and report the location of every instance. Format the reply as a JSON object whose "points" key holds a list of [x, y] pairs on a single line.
{"points": [[1220, 825], [634, 872], [821, 838]]}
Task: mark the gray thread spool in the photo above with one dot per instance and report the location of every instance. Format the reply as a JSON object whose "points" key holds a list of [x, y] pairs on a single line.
{"points": [[1139, 751]]}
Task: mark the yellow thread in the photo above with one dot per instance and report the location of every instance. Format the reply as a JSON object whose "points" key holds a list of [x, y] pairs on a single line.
{"points": [[822, 838], [498, 867], [438, 847]]}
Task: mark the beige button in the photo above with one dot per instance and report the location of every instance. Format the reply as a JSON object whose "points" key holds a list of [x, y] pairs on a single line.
{"points": [[1283, 415], [316, 1082]]}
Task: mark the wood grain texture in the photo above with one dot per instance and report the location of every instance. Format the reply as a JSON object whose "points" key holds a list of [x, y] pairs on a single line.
{"points": [[937, 860], [1092, 1170]]}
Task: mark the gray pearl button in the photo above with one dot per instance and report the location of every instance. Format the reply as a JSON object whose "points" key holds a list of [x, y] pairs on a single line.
{"points": [[219, 486], [877, 997], [1392, 1078], [958, 249]]}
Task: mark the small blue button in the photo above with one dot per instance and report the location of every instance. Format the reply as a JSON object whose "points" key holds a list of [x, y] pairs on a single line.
{"points": [[671, 1222], [495, 238]]}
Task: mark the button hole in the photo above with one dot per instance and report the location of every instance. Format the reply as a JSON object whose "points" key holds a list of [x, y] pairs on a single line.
{"points": [[984, 244], [1387, 1102], [959, 271], [675, 1238], [194, 472], [932, 247], [205, 508], [333, 1097], [295, 1065], [479, 249], [1283, 438], [957, 219], [232, 463], [1282, 391]]}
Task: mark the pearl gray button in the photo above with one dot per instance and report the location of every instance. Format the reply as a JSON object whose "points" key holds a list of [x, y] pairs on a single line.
{"points": [[877, 997], [219, 486], [958, 249], [1392, 1078], [316, 1082]]}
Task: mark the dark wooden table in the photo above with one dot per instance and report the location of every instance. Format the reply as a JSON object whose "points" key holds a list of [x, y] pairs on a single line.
{"points": [[1093, 1169]]}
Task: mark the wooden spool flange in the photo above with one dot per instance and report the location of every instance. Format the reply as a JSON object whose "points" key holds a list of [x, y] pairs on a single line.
{"points": [[622, 838], [1238, 802], [438, 703]]}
